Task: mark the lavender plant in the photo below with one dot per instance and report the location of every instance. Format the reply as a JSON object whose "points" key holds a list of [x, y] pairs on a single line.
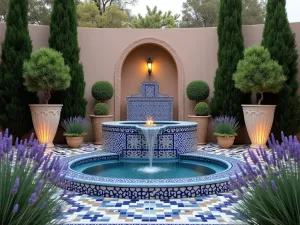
{"points": [[269, 189], [75, 126], [225, 126], [27, 183]]}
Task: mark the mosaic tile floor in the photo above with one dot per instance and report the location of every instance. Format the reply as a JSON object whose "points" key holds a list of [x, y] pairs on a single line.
{"points": [[209, 210]]}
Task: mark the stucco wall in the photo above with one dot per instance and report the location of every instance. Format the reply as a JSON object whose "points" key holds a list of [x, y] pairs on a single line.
{"points": [[196, 49]]}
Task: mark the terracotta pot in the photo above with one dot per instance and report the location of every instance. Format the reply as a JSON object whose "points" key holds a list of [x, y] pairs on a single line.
{"points": [[97, 126], [45, 118], [225, 142], [74, 142], [259, 120], [201, 127]]}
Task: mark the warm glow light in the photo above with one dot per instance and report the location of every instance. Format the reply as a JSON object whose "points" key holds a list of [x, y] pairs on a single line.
{"points": [[150, 121], [149, 65]]}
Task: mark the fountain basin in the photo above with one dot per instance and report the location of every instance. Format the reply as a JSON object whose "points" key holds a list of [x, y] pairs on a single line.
{"points": [[94, 182], [126, 139]]}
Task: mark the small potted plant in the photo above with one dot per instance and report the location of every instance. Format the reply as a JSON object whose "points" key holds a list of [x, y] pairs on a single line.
{"points": [[101, 91], [258, 73], [225, 129], [75, 129], [199, 91], [46, 71]]}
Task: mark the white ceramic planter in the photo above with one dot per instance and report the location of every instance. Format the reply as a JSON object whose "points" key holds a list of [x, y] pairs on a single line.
{"points": [[97, 126], [259, 120], [202, 126], [45, 118]]}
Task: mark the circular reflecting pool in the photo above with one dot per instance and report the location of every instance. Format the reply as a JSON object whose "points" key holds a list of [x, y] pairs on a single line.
{"points": [[142, 170]]}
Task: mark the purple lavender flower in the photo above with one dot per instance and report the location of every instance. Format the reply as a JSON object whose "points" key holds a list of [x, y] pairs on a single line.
{"points": [[225, 125], [6, 134], [59, 208], [75, 125], [2, 154], [31, 139], [17, 143], [274, 187], [33, 198], [16, 186], [264, 185], [11, 156], [245, 157], [16, 208], [39, 187], [23, 161], [20, 151]]}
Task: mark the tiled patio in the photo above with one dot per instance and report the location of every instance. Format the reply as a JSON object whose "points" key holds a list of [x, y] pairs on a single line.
{"points": [[213, 209]]}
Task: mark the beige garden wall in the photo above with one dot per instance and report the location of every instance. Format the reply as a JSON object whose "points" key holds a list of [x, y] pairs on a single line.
{"points": [[193, 51]]}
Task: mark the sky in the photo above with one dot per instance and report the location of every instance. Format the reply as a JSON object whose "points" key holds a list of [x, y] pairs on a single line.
{"points": [[293, 7]]}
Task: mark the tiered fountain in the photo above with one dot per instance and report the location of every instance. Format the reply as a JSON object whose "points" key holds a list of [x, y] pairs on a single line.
{"points": [[175, 168]]}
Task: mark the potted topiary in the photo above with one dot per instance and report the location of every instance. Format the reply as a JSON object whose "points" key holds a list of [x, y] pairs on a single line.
{"points": [[199, 91], [225, 129], [258, 73], [46, 71], [101, 91], [75, 128]]}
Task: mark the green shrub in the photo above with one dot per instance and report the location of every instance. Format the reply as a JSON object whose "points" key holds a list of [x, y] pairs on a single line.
{"points": [[227, 99], [258, 73], [75, 126], [202, 109], [102, 91], [269, 188], [280, 40], [197, 90], [46, 71], [225, 126], [28, 180], [101, 109], [64, 38], [16, 48]]}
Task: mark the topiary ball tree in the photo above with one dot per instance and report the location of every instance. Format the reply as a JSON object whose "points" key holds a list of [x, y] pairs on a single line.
{"points": [[197, 90], [46, 71], [101, 109], [102, 91], [202, 109], [258, 73]]}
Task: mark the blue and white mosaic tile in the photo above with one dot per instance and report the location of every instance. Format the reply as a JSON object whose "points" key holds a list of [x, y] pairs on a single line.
{"points": [[209, 210], [149, 102], [128, 141]]}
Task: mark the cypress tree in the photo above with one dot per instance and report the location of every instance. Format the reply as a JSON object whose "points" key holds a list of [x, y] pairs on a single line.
{"points": [[16, 48], [63, 38], [280, 41], [227, 99]]}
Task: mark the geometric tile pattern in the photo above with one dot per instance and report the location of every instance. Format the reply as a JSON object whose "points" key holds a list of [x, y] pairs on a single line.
{"points": [[149, 102], [151, 188], [128, 141], [209, 210]]}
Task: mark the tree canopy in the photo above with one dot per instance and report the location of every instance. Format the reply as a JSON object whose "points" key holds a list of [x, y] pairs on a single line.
{"points": [[204, 13], [155, 18], [89, 16], [38, 11]]}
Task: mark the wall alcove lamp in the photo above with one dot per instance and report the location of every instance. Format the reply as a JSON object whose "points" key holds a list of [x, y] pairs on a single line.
{"points": [[149, 65]]}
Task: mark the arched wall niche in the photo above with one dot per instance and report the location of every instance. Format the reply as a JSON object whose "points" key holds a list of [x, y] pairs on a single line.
{"points": [[133, 60]]}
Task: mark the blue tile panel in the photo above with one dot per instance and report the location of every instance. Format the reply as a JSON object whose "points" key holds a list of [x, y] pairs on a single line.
{"points": [[129, 142], [149, 102]]}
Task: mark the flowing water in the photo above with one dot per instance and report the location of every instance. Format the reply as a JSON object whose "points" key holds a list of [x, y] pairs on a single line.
{"points": [[150, 133]]}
